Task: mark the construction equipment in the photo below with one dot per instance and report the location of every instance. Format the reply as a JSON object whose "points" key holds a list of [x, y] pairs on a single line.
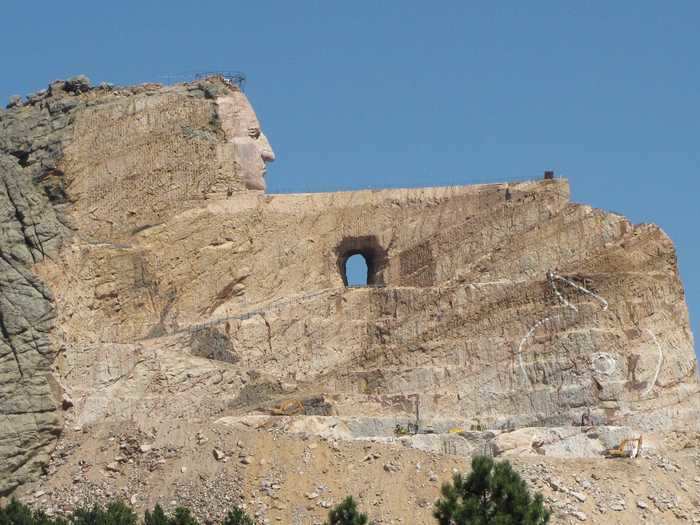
{"points": [[628, 448], [401, 430]]}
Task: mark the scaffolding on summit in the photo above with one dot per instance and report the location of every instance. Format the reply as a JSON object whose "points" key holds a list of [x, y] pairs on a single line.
{"points": [[234, 78]]}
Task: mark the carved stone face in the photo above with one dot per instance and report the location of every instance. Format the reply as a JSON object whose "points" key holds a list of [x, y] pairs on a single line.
{"points": [[252, 151]]}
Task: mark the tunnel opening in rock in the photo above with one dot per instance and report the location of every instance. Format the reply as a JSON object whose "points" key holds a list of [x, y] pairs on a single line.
{"points": [[356, 270], [361, 261]]}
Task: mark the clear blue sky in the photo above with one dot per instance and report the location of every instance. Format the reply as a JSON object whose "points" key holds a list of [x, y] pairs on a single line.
{"points": [[405, 93]]}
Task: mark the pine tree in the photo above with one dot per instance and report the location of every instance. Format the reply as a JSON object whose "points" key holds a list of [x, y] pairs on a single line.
{"points": [[17, 513], [183, 516], [237, 517], [116, 513], [492, 494], [157, 517], [346, 513]]}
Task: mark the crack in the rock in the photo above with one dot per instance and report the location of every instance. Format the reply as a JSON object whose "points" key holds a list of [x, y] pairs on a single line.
{"points": [[6, 335], [26, 412], [269, 332], [19, 217], [25, 278], [38, 244]]}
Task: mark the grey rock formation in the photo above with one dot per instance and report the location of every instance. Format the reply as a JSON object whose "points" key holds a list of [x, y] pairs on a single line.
{"points": [[30, 229], [14, 101]]}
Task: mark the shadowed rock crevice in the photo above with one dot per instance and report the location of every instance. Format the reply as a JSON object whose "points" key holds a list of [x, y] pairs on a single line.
{"points": [[31, 239], [22, 157], [212, 344]]}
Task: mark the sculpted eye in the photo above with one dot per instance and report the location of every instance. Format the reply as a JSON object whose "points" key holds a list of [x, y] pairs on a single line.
{"points": [[254, 132]]}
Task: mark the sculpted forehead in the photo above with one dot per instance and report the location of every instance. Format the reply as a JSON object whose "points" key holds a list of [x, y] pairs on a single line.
{"points": [[237, 115]]}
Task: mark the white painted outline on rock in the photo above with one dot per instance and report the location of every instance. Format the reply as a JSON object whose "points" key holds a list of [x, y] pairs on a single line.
{"points": [[611, 363], [658, 364], [551, 277], [527, 336]]}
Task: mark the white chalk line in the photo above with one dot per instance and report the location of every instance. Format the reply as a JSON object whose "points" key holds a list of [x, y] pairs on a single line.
{"points": [[551, 278], [658, 364], [527, 336], [562, 299], [580, 288]]}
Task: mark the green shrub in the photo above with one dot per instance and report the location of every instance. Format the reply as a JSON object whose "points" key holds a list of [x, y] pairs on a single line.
{"points": [[157, 517], [182, 516], [346, 513], [16, 513], [492, 494], [116, 513], [238, 517]]}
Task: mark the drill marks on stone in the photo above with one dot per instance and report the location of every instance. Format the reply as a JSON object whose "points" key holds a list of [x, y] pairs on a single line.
{"points": [[122, 149], [556, 276], [417, 265], [658, 365], [484, 209], [551, 278]]}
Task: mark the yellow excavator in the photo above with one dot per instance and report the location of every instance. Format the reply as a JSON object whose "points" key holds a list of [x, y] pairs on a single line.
{"points": [[628, 448]]}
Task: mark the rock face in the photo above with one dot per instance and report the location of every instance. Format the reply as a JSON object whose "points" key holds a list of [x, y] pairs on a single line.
{"points": [[31, 229], [27, 407], [67, 167], [137, 246]]}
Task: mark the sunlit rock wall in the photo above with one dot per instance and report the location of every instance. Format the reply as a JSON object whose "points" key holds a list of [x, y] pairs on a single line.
{"points": [[146, 274]]}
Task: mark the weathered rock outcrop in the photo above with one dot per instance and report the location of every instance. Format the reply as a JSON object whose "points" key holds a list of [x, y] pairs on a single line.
{"points": [[178, 289], [31, 229], [28, 417], [52, 189]]}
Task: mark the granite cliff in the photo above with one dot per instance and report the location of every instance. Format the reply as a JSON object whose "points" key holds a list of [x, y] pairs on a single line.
{"points": [[149, 282]]}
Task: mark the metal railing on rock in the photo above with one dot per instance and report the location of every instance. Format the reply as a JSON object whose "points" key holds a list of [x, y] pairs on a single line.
{"points": [[235, 78]]}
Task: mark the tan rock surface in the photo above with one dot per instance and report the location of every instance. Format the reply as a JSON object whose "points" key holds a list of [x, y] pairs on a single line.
{"points": [[588, 323], [183, 294]]}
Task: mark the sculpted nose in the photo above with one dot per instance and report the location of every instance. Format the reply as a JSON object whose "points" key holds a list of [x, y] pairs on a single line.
{"points": [[265, 149]]}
